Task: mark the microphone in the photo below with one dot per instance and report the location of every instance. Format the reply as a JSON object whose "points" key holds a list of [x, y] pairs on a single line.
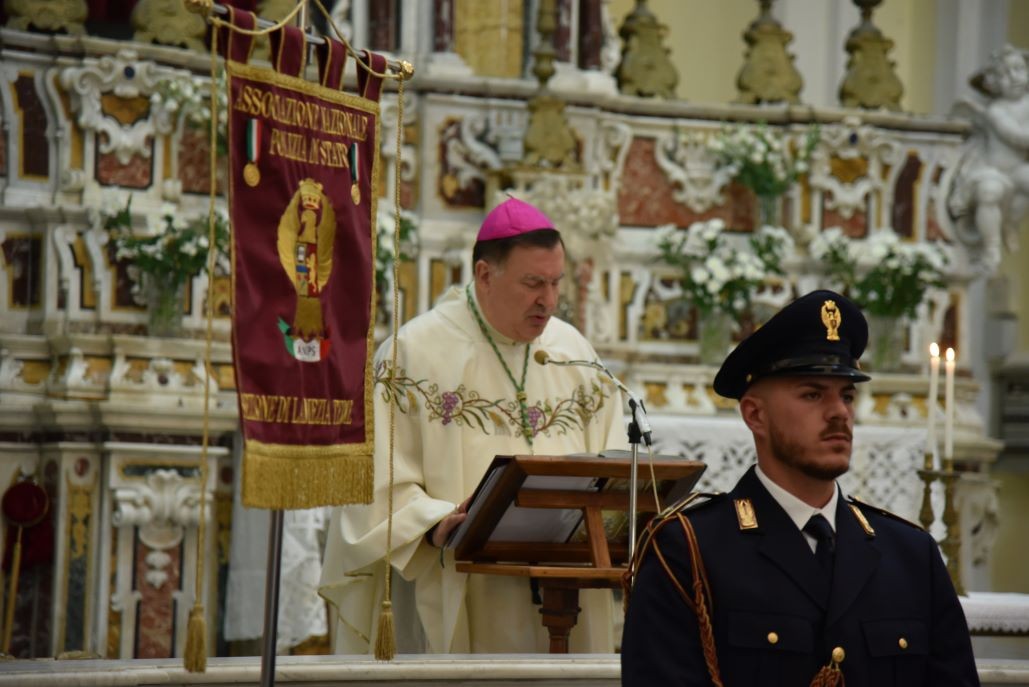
{"points": [[639, 411]]}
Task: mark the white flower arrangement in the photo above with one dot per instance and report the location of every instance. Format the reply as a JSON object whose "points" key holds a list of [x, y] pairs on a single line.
{"points": [[761, 158], [884, 274], [171, 249], [718, 275]]}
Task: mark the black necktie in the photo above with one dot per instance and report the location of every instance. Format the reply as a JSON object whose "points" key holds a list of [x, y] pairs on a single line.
{"points": [[819, 528]]}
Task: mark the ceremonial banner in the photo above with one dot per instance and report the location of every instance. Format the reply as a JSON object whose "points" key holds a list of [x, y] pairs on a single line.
{"points": [[303, 161]]}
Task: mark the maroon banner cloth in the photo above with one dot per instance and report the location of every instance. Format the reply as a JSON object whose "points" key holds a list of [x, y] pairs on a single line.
{"points": [[303, 161]]}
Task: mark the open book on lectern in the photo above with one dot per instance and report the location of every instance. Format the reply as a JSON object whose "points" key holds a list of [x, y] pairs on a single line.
{"points": [[561, 525]]}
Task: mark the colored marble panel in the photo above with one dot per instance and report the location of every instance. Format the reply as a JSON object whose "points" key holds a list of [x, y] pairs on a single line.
{"points": [[443, 22], [155, 614], [905, 196], [591, 34], [34, 148], [137, 173], [456, 187], [855, 226], [195, 163], [383, 20], [563, 33], [23, 256], [645, 196]]}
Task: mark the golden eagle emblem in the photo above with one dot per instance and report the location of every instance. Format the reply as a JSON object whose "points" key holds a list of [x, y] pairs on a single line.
{"points": [[832, 319], [307, 230]]}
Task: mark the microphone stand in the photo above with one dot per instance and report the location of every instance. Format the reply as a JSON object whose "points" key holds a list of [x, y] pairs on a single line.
{"points": [[639, 431], [636, 434]]}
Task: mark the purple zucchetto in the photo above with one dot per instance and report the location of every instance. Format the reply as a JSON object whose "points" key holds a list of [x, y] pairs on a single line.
{"points": [[511, 218]]}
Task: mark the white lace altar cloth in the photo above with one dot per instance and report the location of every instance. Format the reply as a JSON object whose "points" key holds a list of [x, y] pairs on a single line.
{"points": [[997, 613], [883, 467]]}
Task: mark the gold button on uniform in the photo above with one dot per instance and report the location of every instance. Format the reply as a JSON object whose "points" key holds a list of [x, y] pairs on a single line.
{"points": [[838, 654], [773, 638], [902, 643]]}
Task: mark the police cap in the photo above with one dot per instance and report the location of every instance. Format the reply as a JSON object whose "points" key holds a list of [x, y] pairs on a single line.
{"points": [[820, 334]]}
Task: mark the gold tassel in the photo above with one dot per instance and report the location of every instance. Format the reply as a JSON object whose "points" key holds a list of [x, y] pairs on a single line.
{"points": [[829, 676], [195, 659], [386, 641]]}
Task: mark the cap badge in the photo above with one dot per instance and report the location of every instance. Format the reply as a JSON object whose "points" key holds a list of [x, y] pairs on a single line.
{"points": [[831, 319]]}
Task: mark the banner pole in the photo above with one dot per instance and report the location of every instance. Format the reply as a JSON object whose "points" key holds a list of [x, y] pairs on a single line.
{"points": [[271, 599]]}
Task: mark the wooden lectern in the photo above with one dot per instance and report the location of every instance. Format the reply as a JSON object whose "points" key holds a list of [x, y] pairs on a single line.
{"points": [[562, 521]]}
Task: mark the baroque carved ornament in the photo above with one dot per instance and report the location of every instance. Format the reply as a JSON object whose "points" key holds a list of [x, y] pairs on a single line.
{"points": [[127, 78]]}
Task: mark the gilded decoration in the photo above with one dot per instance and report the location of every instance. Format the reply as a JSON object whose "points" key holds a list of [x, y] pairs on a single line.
{"points": [[768, 74], [48, 16], [645, 69], [168, 22], [87, 276], [870, 81], [488, 36], [549, 142]]}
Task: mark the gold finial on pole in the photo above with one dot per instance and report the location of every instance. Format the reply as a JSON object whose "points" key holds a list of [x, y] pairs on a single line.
{"points": [[405, 70]]}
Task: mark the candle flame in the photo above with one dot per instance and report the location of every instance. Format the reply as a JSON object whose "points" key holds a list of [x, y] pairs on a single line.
{"points": [[950, 355], [934, 349]]}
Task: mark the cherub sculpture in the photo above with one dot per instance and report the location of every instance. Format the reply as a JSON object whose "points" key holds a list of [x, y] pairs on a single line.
{"points": [[990, 192]]}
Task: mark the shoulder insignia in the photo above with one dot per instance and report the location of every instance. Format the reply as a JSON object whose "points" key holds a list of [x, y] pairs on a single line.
{"points": [[862, 520], [857, 504], [689, 502], [745, 514]]}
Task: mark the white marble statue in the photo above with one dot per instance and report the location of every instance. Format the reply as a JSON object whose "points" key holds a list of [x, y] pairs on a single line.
{"points": [[990, 194]]}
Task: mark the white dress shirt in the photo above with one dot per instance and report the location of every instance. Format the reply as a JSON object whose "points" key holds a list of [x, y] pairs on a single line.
{"points": [[799, 511]]}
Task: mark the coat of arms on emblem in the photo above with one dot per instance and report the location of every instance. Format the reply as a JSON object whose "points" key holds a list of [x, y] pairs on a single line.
{"points": [[307, 231], [832, 319]]}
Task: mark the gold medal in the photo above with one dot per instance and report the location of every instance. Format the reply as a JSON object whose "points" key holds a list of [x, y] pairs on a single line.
{"points": [[251, 174], [355, 193]]}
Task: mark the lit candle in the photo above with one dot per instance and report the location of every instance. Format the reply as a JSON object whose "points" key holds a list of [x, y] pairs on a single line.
{"points": [[948, 426], [930, 404]]}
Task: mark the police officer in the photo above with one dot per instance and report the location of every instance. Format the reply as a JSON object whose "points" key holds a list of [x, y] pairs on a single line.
{"points": [[783, 581]]}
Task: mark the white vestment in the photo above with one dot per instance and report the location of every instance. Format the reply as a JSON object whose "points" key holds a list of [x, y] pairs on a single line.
{"points": [[456, 411]]}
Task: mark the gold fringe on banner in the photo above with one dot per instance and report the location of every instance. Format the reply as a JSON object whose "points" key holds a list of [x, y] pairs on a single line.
{"points": [[289, 477]]}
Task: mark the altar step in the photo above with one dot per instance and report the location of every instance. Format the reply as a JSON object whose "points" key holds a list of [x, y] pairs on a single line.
{"points": [[582, 670]]}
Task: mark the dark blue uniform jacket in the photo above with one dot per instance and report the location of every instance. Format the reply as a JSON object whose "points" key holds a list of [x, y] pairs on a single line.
{"points": [[891, 606]]}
